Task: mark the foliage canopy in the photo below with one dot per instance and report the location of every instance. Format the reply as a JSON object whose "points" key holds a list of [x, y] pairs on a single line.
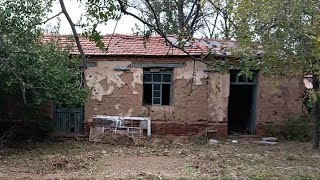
{"points": [[37, 72]]}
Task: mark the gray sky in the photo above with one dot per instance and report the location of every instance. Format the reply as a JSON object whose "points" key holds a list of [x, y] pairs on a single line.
{"points": [[76, 10]]}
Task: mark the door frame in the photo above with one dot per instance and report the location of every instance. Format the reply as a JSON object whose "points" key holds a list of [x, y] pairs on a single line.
{"points": [[240, 80]]}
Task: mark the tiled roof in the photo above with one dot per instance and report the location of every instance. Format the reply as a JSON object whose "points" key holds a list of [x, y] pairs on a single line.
{"points": [[127, 45]]}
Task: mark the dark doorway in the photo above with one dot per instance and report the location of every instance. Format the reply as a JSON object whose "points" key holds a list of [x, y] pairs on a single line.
{"points": [[241, 108]]}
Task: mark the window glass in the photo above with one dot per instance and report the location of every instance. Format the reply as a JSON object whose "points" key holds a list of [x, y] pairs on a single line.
{"points": [[147, 77], [233, 77], [166, 89], [167, 78], [156, 100], [156, 93], [156, 77], [147, 94], [157, 87]]}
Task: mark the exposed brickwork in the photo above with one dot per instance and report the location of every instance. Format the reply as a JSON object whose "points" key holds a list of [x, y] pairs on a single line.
{"points": [[260, 129], [188, 129], [86, 128]]}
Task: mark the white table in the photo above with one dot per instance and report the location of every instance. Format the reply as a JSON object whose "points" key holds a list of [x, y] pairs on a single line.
{"points": [[120, 119]]}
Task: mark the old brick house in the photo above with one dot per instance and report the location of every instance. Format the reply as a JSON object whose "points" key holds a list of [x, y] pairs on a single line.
{"points": [[137, 78]]}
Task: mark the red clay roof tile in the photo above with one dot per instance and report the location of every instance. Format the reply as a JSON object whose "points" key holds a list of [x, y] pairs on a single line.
{"points": [[125, 45]]}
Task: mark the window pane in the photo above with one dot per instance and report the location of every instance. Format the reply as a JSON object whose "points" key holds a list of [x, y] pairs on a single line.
{"points": [[242, 78], [167, 78], [166, 89], [156, 93], [156, 87], [156, 100], [233, 77], [147, 77], [147, 94], [156, 77]]}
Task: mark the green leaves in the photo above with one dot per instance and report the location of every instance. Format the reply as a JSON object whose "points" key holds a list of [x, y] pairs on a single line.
{"points": [[47, 72], [282, 27]]}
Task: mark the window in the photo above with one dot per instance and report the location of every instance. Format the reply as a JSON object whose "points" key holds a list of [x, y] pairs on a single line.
{"points": [[237, 78], [157, 86]]}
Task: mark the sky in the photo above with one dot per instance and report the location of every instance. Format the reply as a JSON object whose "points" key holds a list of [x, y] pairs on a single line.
{"points": [[76, 10]]}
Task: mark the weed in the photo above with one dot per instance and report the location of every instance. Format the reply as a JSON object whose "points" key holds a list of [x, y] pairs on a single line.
{"points": [[298, 128]]}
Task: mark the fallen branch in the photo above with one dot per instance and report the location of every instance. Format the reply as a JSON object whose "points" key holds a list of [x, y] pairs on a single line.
{"points": [[7, 135]]}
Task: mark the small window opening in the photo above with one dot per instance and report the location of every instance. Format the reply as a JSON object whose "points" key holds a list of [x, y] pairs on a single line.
{"points": [[157, 86], [237, 78]]}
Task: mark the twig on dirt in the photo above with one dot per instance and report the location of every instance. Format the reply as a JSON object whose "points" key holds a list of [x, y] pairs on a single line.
{"points": [[196, 137], [7, 135]]}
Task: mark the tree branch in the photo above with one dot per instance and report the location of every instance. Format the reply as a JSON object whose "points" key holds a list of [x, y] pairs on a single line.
{"points": [[222, 13], [23, 84], [47, 20], [75, 34], [39, 23], [157, 30], [190, 13], [196, 15]]}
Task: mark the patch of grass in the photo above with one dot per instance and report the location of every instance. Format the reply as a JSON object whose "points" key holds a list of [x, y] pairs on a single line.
{"points": [[297, 128], [191, 170]]}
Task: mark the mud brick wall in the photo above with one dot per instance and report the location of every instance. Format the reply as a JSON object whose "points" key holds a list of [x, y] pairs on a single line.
{"points": [[279, 99], [189, 129], [196, 104]]}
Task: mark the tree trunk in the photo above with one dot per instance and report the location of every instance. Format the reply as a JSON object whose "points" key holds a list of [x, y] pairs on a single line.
{"points": [[316, 113]]}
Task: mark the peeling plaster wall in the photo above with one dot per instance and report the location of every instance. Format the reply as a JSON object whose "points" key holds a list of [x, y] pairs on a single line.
{"points": [[104, 71], [203, 102], [219, 85], [187, 72], [113, 92], [189, 102], [279, 99], [120, 93]]}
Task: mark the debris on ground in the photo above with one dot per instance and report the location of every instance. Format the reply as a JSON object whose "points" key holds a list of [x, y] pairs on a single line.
{"points": [[160, 158], [213, 142], [234, 141], [270, 139], [266, 142]]}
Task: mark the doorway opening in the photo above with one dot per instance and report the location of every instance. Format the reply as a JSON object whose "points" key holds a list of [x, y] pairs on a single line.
{"points": [[242, 102]]}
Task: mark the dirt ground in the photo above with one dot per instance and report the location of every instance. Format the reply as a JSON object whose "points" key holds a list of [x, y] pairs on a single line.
{"points": [[158, 159]]}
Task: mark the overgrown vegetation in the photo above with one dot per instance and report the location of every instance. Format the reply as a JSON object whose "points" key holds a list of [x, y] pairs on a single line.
{"points": [[159, 159], [35, 71], [297, 128]]}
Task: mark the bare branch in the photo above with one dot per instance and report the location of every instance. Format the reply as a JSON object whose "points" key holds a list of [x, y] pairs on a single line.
{"points": [[114, 30], [222, 12], [39, 23], [196, 15], [47, 20], [154, 14], [75, 34], [190, 13], [158, 30]]}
